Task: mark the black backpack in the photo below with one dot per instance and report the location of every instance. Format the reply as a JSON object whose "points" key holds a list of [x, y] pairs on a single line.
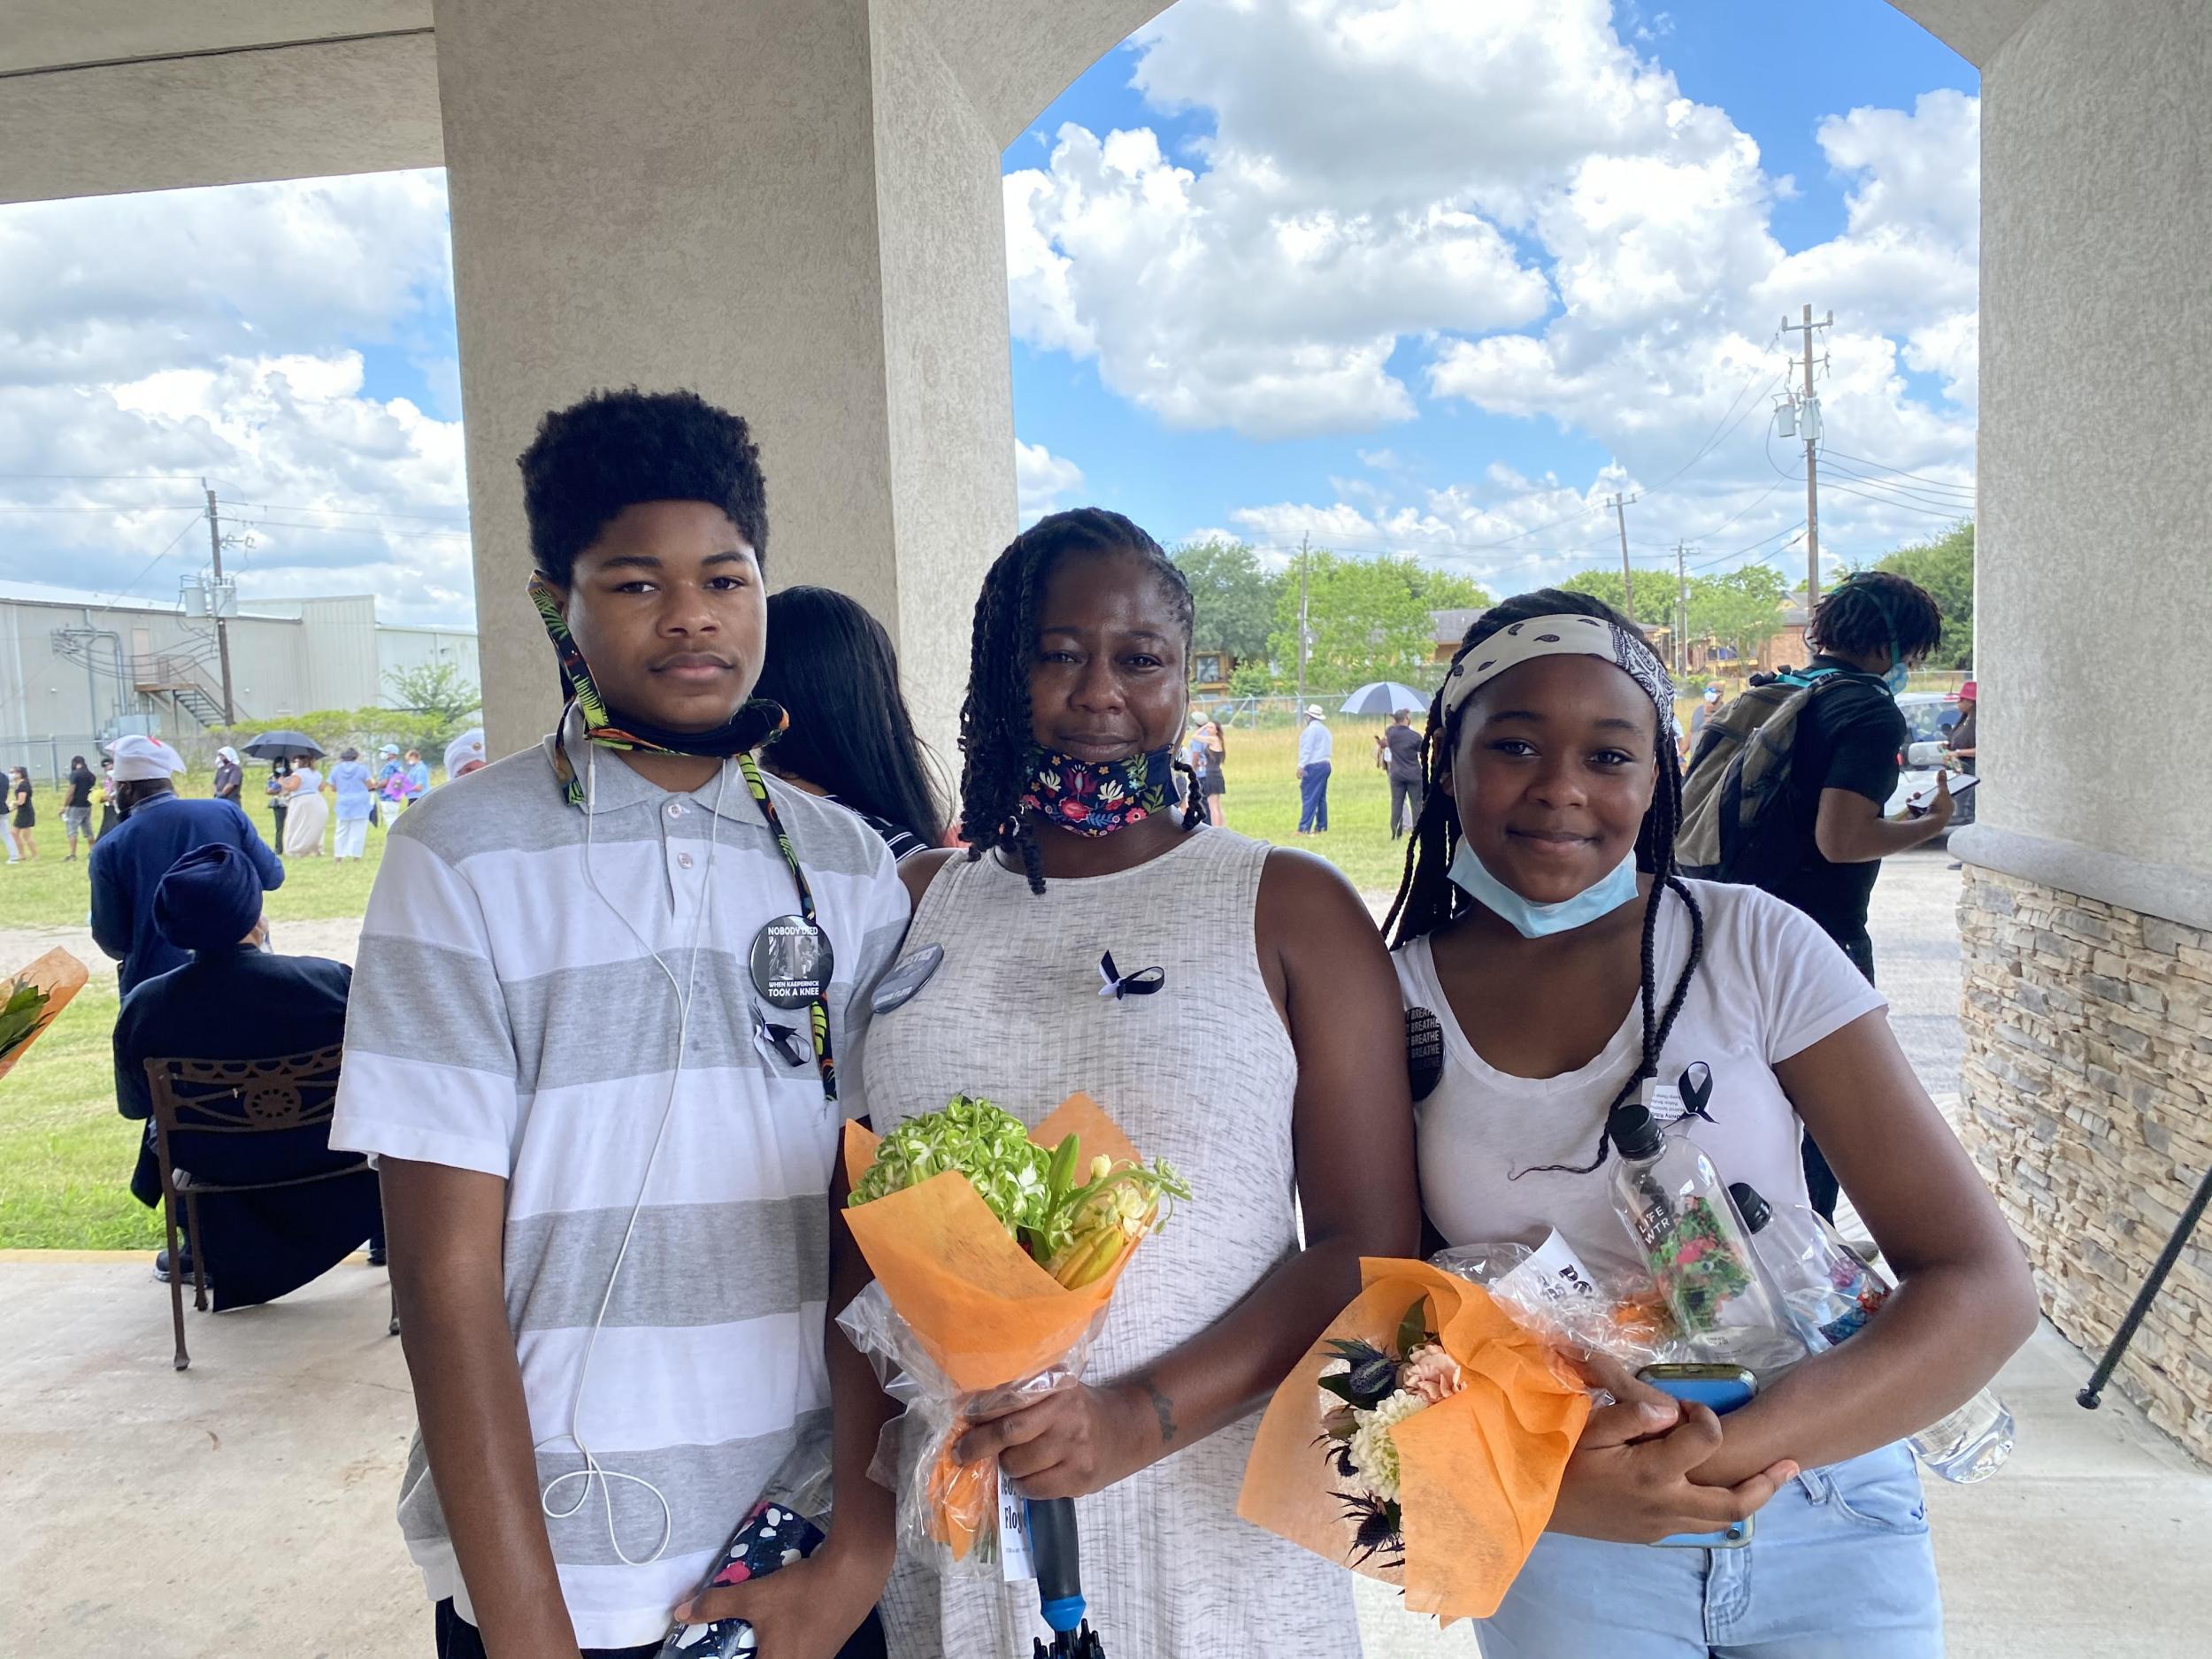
{"points": [[1739, 778]]}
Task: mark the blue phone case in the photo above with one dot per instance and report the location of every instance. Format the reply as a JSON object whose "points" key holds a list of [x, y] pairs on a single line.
{"points": [[1721, 1395]]}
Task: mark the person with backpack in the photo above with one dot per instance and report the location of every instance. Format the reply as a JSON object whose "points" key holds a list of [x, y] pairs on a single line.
{"points": [[1787, 785]]}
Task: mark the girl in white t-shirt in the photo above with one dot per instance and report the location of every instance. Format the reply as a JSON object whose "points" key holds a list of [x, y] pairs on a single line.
{"points": [[1573, 972]]}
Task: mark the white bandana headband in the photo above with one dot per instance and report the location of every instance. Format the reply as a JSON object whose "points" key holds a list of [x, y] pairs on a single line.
{"points": [[1567, 634]]}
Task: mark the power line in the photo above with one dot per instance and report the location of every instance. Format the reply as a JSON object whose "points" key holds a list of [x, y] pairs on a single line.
{"points": [[101, 478], [352, 529], [123, 593], [1882, 466], [1905, 491], [355, 512], [1934, 490], [107, 507], [1703, 450], [1733, 517], [1953, 517], [1794, 531]]}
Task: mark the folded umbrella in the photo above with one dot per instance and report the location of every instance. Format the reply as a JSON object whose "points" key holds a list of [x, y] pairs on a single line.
{"points": [[1054, 1551], [1384, 696]]}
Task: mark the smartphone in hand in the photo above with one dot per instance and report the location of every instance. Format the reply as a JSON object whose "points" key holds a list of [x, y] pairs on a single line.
{"points": [[1722, 1389]]}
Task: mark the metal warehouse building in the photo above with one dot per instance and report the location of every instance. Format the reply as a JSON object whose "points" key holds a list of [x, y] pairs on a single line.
{"points": [[75, 671]]}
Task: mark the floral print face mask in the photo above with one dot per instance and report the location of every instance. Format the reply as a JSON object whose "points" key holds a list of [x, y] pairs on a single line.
{"points": [[1098, 798]]}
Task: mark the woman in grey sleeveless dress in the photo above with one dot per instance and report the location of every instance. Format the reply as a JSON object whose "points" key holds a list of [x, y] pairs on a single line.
{"points": [[1267, 1068]]}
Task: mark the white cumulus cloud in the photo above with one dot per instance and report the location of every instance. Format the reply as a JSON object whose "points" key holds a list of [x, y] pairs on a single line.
{"points": [[149, 341], [1042, 480], [1399, 206]]}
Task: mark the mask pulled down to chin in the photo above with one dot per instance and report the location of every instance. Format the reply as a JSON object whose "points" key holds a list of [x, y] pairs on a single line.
{"points": [[1530, 919]]}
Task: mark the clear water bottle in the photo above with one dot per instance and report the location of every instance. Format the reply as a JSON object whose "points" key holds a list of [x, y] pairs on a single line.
{"points": [[1670, 1199], [1831, 1293]]}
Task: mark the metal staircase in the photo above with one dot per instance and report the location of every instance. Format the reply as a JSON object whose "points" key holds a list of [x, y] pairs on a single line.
{"points": [[182, 684]]}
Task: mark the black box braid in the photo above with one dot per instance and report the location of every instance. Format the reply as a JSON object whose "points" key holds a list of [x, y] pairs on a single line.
{"points": [[995, 718], [1427, 899]]}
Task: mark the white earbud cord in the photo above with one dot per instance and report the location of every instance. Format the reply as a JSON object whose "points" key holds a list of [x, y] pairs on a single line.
{"points": [[593, 1470]]}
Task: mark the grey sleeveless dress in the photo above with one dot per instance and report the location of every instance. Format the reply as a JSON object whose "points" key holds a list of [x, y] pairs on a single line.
{"points": [[1202, 1074]]}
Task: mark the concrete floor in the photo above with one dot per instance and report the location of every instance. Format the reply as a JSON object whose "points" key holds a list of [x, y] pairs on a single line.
{"points": [[243, 1509]]}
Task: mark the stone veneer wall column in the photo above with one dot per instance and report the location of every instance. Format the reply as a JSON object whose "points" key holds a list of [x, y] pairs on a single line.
{"points": [[2088, 1106]]}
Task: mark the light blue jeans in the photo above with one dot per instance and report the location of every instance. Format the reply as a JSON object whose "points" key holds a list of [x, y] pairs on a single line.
{"points": [[1838, 1567]]}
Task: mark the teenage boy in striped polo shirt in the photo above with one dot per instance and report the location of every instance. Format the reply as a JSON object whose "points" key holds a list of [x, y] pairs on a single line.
{"points": [[611, 1263]]}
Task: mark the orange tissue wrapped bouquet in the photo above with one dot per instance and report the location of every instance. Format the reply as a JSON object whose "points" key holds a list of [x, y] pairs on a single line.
{"points": [[1421, 1441], [995, 1251]]}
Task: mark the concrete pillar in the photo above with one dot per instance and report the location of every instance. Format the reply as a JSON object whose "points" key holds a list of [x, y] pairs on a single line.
{"points": [[2087, 914], [788, 205]]}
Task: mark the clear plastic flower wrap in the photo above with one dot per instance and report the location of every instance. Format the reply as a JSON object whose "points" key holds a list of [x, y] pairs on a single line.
{"points": [[947, 1510], [1550, 1290], [995, 1249]]}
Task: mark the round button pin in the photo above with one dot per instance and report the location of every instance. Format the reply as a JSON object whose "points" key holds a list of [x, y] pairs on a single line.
{"points": [[791, 962]]}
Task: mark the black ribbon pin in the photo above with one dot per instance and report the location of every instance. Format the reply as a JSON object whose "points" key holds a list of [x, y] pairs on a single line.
{"points": [[784, 1040], [1696, 1088], [1117, 984]]}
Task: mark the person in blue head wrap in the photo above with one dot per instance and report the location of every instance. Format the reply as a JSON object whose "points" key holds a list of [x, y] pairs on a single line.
{"points": [[234, 999]]}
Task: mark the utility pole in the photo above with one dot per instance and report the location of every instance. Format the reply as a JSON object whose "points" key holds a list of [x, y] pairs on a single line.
{"points": [[1619, 504], [1681, 615], [1809, 428], [215, 604], [1303, 542]]}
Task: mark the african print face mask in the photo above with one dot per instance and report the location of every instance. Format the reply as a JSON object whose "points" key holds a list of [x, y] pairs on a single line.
{"points": [[1098, 798], [756, 722]]}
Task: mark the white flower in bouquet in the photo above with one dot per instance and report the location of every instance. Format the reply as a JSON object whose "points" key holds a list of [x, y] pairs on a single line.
{"points": [[1373, 1453]]}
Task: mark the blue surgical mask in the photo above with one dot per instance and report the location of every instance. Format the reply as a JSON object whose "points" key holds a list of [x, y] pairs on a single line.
{"points": [[1898, 677], [1532, 920]]}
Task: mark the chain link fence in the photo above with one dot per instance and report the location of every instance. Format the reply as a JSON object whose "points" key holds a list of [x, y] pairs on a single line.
{"points": [[47, 758]]}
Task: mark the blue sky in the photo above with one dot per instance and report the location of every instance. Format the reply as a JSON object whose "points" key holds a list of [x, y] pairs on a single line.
{"points": [[1433, 277], [1775, 78]]}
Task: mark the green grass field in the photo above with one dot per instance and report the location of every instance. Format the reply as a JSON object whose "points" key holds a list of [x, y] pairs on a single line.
{"points": [[66, 1156], [48, 892], [1262, 769]]}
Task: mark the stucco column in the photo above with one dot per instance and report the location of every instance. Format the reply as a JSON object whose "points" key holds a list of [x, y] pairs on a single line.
{"points": [[2088, 916], [787, 205]]}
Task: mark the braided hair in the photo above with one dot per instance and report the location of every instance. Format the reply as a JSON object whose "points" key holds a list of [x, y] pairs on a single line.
{"points": [[995, 729], [1877, 610], [1427, 899]]}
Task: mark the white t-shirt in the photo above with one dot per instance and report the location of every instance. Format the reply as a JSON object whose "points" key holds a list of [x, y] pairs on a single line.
{"points": [[1769, 985]]}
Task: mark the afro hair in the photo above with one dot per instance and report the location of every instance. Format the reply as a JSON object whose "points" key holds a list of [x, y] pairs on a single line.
{"points": [[613, 450], [1877, 610]]}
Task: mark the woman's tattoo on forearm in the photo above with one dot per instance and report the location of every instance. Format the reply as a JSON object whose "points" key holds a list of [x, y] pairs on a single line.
{"points": [[1162, 1407]]}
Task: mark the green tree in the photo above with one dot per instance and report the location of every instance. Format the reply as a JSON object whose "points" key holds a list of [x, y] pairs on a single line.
{"points": [[1447, 591], [437, 690], [1740, 608], [1944, 567], [1654, 594], [1365, 619], [1252, 678], [1233, 597]]}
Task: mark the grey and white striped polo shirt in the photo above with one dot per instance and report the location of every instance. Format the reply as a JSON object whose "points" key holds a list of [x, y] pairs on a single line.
{"points": [[503, 1018]]}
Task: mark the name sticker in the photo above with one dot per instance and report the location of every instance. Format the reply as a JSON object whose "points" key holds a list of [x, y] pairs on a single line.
{"points": [[1013, 1535]]}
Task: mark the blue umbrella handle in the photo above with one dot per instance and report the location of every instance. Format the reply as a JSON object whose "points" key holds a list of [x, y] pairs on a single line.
{"points": [[1057, 1553]]}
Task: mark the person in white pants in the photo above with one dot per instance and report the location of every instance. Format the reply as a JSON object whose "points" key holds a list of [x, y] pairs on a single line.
{"points": [[349, 784]]}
